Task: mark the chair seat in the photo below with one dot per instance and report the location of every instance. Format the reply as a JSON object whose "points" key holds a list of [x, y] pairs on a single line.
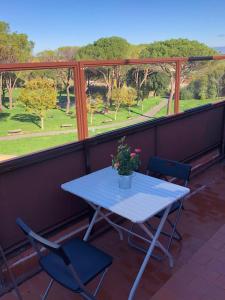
{"points": [[175, 206], [87, 260]]}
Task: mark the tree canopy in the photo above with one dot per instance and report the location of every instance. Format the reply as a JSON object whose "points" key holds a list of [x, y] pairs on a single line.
{"points": [[39, 95], [105, 48], [176, 48], [14, 47]]}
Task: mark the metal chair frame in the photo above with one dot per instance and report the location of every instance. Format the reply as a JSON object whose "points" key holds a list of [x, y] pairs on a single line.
{"points": [[38, 242], [13, 280], [163, 168]]}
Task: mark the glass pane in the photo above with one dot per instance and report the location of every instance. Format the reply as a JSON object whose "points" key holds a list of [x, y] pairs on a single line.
{"points": [[120, 96], [202, 83], [37, 111]]}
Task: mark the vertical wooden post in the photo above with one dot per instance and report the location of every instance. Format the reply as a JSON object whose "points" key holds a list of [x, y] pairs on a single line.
{"points": [[177, 88], [81, 105]]}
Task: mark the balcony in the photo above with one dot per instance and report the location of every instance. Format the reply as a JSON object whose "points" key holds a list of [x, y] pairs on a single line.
{"points": [[30, 188]]}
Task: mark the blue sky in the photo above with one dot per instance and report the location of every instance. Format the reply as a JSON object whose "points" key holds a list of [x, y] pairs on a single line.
{"points": [[54, 23]]}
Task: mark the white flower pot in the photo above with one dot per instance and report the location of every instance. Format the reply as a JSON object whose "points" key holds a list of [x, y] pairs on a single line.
{"points": [[125, 181]]}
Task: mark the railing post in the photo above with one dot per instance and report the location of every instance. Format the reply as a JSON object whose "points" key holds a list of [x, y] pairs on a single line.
{"points": [[177, 87], [81, 105]]}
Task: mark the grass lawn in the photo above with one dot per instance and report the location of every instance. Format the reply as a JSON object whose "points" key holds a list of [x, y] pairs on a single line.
{"points": [[28, 145], [185, 105], [57, 117], [19, 118], [23, 146], [123, 114]]}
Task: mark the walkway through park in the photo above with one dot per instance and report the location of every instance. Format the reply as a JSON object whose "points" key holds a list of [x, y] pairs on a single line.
{"points": [[147, 116]]}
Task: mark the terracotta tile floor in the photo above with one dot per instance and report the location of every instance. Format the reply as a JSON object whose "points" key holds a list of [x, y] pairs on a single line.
{"points": [[203, 277], [203, 216]]}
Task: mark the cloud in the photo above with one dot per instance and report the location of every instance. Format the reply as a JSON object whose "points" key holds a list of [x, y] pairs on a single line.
{"points": [[221, 35]]}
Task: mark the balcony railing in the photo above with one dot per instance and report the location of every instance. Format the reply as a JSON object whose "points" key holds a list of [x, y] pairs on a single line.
{"points": [[80, 82], [30, 185]]}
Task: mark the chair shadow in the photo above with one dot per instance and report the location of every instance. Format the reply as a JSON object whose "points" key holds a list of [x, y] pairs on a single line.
{"points": [[27, 118]]}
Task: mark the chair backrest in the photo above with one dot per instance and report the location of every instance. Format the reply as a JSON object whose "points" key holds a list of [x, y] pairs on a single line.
{"points": [[36, 240], [165, 167]]}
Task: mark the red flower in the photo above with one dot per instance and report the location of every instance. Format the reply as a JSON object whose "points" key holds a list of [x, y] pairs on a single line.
{"points": [[116, 165], [137, 150], [132, 154]]}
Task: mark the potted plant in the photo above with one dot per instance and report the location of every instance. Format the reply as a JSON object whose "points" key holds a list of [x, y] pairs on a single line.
{"points": [[125, 162]]}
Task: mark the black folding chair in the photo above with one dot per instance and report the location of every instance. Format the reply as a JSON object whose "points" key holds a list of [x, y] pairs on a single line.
{"points": [[13, 279], [163, 168], [73, 264]]}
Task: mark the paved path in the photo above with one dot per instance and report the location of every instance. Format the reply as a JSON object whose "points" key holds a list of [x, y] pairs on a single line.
{"points": [[6, 157], [150, 114]]}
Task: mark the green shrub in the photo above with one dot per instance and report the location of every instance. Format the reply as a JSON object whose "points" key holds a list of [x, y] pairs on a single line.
{"points": [[186, 94]]}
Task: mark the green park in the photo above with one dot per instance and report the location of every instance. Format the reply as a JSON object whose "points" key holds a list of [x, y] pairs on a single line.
{"points": [[37, 108]]}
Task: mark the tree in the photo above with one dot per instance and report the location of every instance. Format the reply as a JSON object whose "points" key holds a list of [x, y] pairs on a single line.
{"points": [[138, 76], [107, 48], [158, 83], [4, 29], [203, 86], [94, 103], [130, 97], [67, 53], [39, 95], [212, 87], [14, 47], [208, 82], [176, 48], [125, 95], [118, 94], [64, 76]]}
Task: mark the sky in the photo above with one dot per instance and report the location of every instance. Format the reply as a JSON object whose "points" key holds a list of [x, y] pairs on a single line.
{"points": [[54, 23]]}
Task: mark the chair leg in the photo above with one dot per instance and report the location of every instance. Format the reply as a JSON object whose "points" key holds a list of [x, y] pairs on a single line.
{"points": [[100, 282], [11, 275], [174, 230], [178, 236], [47, 290], [173, 235], [140, 248], [87, 297]]}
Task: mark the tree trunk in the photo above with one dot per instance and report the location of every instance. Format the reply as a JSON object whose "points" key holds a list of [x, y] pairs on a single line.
{"points": [[92, 117], [42, 123], [68, 91], [10, 92], [10, 87], [108, 81], [116, 111], [1, 106], [137, 83], [68, 99], [170, 99]]}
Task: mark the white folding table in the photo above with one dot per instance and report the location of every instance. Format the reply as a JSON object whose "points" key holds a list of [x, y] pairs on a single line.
{"points": [[146, 197]]}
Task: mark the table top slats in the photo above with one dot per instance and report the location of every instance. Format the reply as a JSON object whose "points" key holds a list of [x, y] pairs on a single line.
{"points": [[146, 197]]}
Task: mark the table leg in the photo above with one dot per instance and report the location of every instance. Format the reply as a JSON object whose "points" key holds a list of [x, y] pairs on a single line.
{"points": [[148, 254], [97, 211], [158, 244], [109, 221]]}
